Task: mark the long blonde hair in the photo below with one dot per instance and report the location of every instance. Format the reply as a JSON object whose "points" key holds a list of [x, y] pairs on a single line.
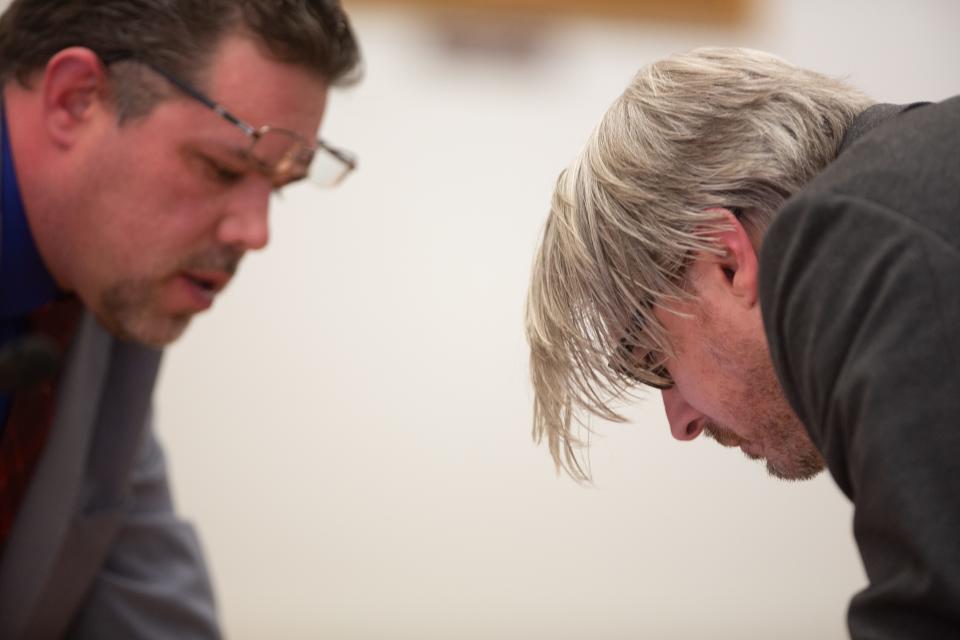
{"points": [[711, 128]]}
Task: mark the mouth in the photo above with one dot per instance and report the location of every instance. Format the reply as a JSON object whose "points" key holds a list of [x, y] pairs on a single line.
{"points": [[722, 436], [200, 287], [210, 281]]}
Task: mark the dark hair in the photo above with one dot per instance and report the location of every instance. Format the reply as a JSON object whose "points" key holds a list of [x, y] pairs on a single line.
{"points": [[178, 36]]}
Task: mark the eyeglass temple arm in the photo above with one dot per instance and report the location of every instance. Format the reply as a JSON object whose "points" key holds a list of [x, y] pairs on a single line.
{"points": [[196, 95], [120, 56], [345, 157]]}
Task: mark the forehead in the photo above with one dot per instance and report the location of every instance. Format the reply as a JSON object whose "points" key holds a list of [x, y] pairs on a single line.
{"points": [[252, 85]]}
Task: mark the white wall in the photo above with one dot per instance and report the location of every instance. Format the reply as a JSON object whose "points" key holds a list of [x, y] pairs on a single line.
{"points": [[349, 427]]}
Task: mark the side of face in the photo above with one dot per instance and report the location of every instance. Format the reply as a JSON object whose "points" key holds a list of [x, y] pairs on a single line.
{"points": [[152, 218], [725, 385]]}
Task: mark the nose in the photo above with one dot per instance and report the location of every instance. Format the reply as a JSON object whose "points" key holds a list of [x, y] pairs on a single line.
{"points": [[686, 423], [245, 225]]}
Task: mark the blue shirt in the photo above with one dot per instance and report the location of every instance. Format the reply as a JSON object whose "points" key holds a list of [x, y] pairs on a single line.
{"points": [[25, 283]]}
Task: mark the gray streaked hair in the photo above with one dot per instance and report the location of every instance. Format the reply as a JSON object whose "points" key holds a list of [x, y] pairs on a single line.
{"points": [[731, 128], [179, 36]]}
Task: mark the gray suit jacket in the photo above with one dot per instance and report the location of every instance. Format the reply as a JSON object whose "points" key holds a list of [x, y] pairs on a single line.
{"points": [[96, 550]]}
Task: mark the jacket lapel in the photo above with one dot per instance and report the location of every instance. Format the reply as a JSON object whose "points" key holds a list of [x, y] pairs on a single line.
{"points": [[54, 493], [115, 442]]}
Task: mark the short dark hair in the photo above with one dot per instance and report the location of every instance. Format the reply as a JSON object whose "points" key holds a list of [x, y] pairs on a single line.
{"points": [[178, 36]]}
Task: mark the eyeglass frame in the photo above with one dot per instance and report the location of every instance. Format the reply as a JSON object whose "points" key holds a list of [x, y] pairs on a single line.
{"points": [[654, 364], [347, 159]]}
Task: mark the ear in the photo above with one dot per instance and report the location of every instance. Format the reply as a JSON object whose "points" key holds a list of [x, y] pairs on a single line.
{"points": [[75, 88], [736, 271]]}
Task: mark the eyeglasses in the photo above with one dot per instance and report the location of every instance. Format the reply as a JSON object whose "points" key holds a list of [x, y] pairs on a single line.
{"points": [[282, 155], [638, 364], [650, 370]]}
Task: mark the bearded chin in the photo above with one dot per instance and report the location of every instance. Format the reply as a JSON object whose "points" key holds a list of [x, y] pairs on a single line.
{"points": [[802, 465], [125, 311], [792, 457]]}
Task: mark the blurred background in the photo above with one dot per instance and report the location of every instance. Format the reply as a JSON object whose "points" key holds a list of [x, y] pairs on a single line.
{"points": [[350, 427]]}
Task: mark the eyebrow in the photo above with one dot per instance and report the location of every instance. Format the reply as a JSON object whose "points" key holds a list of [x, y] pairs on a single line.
{"points": [[243, 154]]}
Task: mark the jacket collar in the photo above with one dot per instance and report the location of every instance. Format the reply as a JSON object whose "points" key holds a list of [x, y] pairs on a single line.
{"points": [[871, 118]]}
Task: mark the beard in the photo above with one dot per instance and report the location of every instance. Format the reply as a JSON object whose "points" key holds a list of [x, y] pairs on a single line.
{"points": [[128, 308], [789, 452], [775, 431], [126, 311], [791, 455]]}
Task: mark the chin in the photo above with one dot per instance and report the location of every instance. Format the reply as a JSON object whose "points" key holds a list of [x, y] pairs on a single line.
{"points": [[796, 470], [161, 334], [148, 330]]}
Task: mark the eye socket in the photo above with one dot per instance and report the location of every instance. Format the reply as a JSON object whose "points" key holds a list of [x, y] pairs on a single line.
{"points": [[637, 361], [221, 173], [653, 362], [649, 370], [662, 374]]}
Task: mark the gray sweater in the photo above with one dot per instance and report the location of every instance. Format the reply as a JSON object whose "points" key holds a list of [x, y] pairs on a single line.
{"points": [[860, 293]]}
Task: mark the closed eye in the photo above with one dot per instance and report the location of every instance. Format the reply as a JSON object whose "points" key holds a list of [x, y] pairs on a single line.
{"points": [[648, 369], [221, 173], [659, 375], [664, 381]]}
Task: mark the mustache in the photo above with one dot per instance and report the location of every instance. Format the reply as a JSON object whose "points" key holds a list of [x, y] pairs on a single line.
{"points": [[723, 436], [224, 259]]}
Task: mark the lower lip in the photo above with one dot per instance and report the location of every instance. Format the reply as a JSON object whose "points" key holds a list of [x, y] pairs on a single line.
{"points": [[188, 293]]}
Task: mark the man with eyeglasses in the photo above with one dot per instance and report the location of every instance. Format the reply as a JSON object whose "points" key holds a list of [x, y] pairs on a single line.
{"points": [[141, 142], [780, 257]]}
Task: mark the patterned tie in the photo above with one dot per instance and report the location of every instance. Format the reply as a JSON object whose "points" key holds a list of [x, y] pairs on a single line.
{"points": [[31, 414]]}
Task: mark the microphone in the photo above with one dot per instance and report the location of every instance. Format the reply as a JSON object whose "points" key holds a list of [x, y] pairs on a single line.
{"points": [[26, 361]]}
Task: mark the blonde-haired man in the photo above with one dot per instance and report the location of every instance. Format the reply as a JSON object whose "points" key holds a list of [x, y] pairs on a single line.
{"points": [[781, 258]]}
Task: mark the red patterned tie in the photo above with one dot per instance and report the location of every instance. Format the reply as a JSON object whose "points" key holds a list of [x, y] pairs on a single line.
{"points": [[31, 413]]}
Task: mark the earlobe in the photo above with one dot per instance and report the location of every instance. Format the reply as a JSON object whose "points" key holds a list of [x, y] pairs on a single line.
{"points": [[74, 84]]}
